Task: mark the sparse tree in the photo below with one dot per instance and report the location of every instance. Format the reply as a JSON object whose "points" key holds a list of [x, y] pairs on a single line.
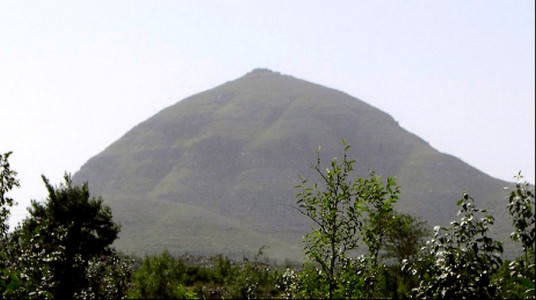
{"points": [[337, 209]]}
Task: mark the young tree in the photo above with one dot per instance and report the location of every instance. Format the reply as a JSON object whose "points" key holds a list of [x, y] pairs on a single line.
{"points": [[336, 209], [380, 218], [336, 215], [59, 239]]}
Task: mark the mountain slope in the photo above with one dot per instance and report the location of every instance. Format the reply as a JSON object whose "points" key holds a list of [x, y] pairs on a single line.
{"points": [[215, 172]]}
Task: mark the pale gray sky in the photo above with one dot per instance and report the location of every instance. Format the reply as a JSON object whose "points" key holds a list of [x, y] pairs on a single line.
{"points": [[76, 75]]}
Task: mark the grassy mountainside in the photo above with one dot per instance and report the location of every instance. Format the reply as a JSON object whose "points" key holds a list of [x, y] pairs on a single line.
{"points": [[215, 172]]}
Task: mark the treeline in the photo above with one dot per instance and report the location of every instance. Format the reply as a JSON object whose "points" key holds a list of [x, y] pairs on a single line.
{"points": [[359, 246]]}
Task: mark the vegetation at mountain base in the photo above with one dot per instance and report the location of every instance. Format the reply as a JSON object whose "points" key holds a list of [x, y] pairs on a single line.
{"points": [[359, 246]]}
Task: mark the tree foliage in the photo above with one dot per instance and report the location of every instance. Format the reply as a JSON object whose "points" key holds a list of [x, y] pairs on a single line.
{"points": [[521, 205], [60, 249], [160, 277], [166, 276], [63, 249], [404, 239], [8, 180], [343, 211], [336, 214], [461, 259]]}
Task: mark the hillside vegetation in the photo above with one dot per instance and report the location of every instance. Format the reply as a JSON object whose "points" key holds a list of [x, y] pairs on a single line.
{"points": [[225, 161], [359, 246]]}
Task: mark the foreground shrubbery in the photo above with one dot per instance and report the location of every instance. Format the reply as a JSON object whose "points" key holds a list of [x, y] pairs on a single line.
{"points": [[167, 276], [359, 247]]}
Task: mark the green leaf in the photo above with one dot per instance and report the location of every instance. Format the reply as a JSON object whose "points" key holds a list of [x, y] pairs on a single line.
{"points": [[527, 282]]}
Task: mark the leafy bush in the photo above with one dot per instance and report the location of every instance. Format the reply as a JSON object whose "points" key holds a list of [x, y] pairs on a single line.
{"points": [[63, 250], [461, 259], [54, 251], [160, 276], [521, 281]]}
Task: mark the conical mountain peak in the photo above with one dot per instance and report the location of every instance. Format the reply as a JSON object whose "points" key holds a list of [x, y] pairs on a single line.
{"points": [[214, 173]]}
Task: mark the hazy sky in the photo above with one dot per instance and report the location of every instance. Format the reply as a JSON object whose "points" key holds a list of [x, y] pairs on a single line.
{"points": [[76, 75]]}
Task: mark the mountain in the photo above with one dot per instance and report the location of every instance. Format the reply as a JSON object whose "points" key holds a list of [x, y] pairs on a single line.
{"points": [[215, 172]]}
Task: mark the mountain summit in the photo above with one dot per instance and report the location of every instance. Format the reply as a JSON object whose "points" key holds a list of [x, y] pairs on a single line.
{"points": [[262, 72], [214, 173]]}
